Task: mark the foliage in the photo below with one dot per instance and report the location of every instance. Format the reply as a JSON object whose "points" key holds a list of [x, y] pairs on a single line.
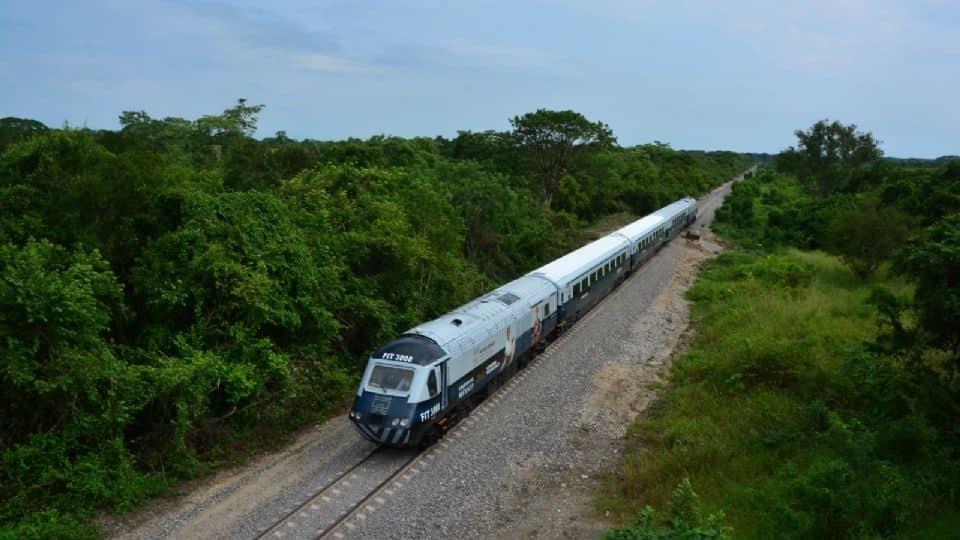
{"points": [[829, 156], [934, 261], [175, 292], [14, 130], [553, 140], [683, 521], [784, 415], [866, 236], [812, 404]]}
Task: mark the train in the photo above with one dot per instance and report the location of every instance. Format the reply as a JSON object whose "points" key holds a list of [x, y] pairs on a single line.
{"points": [[419, 385]]}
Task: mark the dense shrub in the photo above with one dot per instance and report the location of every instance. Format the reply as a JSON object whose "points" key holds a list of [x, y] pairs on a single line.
{"points": [[786, 416], [811, 404], [173, 292]]}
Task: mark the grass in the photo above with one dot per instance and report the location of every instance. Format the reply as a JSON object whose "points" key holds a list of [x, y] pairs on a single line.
{"points": [[769, 413]]}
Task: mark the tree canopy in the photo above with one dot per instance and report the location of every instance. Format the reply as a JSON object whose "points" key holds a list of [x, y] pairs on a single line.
{"points": [[176, 290], [554, 142], [829, 155]]}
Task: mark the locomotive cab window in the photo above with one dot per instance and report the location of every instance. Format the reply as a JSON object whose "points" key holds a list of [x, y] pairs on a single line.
{"points": [[432, 383], [390, 378], [546, 310]]}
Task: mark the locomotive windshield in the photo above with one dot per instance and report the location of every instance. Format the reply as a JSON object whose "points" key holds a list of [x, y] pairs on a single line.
{"points": [[390, 378]]}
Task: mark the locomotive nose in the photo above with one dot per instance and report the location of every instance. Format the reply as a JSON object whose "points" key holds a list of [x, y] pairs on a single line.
{"points": [[381, 429]]}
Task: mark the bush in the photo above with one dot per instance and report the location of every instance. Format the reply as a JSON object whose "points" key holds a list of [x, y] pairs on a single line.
{"points": [[682, 522], [788, 416]]}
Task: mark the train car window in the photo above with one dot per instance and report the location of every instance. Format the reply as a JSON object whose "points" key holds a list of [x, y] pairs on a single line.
{"points": [[432, 383], [546, 310], [583, 285]]}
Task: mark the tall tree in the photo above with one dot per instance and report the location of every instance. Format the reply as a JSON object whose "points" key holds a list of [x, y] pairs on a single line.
{"points": [[14, 130], [554, 140], [829, 155], [934, 260]]}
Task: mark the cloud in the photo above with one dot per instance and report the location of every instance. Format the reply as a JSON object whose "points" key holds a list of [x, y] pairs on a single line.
{"points": [[327, 63], [493, 55]]}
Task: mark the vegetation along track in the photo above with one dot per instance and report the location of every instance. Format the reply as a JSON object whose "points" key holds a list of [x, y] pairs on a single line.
{"points": [[282, 496], [360, 490]]}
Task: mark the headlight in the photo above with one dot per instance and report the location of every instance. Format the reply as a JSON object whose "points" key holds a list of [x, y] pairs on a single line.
{"points": [[405, 422], [395, 422]]}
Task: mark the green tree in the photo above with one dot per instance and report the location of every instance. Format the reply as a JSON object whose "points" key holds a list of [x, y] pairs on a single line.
{"points": [[829, 155], [14, 130], [934, 261], [866, 236], [237, 121], [553, 141], [55, 309]]}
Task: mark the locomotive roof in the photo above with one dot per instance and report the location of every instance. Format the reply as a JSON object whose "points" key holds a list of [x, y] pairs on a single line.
{"points": [[576, 263], [474, 321]]}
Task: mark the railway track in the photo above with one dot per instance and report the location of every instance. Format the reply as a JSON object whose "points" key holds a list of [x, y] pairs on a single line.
{"points": [[354, 494], [358, 491]]}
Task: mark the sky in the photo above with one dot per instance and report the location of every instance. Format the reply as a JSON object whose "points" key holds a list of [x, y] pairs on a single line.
{"points": [[733, 75]]}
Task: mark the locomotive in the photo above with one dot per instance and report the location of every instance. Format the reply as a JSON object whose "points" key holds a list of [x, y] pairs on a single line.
{"points": [[417, 386]]}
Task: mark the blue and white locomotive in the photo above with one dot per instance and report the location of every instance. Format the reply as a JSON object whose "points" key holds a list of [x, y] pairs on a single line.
{"points": [[418, 385]]}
